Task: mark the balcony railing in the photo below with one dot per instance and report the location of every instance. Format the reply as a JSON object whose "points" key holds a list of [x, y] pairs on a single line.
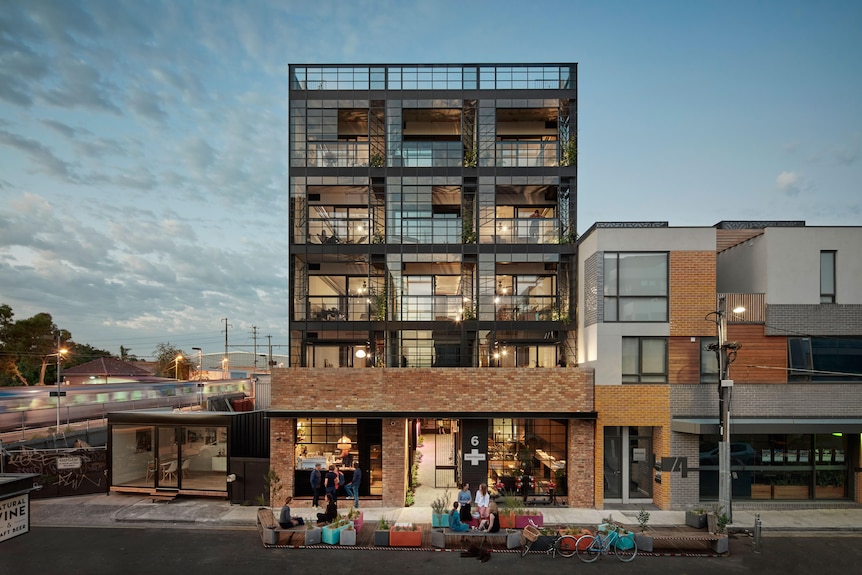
{"points": [[338, 230], [523, 231], [754, 304], [527, 154], [338, 154], [426, 231], [431, 154]]}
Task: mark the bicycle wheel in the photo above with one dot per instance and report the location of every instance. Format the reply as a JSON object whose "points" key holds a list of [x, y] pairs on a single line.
{"points": [[588, 548], [525, 548], [566, 545], [626, 548]]}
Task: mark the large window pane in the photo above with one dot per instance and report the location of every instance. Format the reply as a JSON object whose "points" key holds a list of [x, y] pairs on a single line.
{"points": [[643, 274]]}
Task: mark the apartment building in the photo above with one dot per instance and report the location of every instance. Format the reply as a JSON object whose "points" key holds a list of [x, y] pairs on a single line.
{"points": [[649, 300], [432, 269]]}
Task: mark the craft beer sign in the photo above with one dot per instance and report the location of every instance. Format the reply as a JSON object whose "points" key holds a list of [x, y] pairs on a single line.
{"points": [[14, 516]]}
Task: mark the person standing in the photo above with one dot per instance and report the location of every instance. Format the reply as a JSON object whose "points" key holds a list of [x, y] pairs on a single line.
{"points": [[534, 226], [316, 479], [352, 488], [483, 499], [330, 483], [464, 500]]}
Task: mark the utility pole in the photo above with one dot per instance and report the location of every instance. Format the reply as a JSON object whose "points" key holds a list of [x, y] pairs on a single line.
{"points": [[254, 338], [726, 355], [269, 357], [225, 364]]}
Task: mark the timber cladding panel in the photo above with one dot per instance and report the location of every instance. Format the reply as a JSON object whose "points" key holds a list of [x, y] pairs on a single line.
{"points": [[429, 390], [683, 360], [692, 292], [762, 358]]}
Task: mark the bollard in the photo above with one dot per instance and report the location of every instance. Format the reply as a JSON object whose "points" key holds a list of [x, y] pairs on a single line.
{"points": [[757, 532]]}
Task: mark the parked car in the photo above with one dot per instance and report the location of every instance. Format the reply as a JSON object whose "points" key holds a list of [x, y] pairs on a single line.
{"points": [[740, 454]]}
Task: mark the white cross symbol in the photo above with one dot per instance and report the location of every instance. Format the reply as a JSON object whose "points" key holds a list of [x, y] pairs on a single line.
{"points": [[474, 457]]}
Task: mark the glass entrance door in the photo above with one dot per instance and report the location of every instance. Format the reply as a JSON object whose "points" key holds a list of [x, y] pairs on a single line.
{"points": [[613, 463], [628, 464]]}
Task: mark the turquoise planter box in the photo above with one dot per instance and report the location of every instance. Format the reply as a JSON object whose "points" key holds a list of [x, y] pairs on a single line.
{"points": [[332, 536], [439, 520]]}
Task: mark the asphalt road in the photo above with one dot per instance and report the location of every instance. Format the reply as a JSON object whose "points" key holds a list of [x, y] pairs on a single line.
{"points": [[164, 551]]}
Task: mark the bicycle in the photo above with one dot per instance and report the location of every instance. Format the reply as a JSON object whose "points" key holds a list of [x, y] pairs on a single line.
{"points": [[589, 547], [565, 545]]}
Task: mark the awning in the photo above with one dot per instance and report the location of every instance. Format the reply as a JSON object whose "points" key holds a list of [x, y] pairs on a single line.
{"points": [[709, 426]]}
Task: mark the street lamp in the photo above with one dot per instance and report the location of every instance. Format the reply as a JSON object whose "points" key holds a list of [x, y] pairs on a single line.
{"points": [[726, 352], [177, 366], [60, 353], [200, 373]]}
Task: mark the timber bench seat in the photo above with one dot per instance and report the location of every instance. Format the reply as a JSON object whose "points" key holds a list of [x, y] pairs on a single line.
{"points": [[718, 543], [442, 538], [271, 533]]}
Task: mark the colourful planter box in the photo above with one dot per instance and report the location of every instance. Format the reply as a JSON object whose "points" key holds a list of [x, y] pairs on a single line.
{"points": [[439, 520], [381, 538], [522, 521], [348, 537], [358, 522], [405, 538], [332, 536], [313, 535], [507, 520]]}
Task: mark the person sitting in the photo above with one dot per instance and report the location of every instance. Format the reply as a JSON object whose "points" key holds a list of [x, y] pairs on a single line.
{"points": [[331, 510], [285, 521], [492, 523], [455, 520]]}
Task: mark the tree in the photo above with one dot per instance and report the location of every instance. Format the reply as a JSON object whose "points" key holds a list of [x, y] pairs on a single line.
{"points": [[125, 355], [166, 362], [29, 348]]}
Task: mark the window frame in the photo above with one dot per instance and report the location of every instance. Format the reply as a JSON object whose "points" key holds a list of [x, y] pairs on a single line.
{"points": [[827, 295], [643, 376], [612, 296]]}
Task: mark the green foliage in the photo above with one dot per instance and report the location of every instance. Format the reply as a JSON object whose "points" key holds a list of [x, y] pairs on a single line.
{"points": [[166, 362], [442, 503], [409, 498], [271, 486], [643, 519], [512, 502], [377, 160], [28, 348], [569, 153], [383, 524], [470, 158]]}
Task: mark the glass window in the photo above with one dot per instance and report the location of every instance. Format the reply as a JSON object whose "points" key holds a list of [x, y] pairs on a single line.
{"points": [[635, 287], [326, 441], [708, 360], [534, 447], [827, 277], [824, 358], [644, 359]]}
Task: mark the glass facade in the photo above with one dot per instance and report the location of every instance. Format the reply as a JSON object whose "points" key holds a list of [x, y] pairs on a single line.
{"points": [[186, 457], [779, 466], [532, 447]]}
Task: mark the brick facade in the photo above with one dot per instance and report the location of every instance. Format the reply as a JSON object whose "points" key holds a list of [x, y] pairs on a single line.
{"points": [[427, 392], [692, 292]]}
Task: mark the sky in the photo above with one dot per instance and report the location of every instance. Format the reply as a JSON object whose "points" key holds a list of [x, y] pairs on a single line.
{"points": [[143, 144]]}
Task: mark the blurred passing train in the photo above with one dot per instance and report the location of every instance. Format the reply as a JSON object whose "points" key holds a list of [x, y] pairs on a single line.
{"points": [[24, 407]]}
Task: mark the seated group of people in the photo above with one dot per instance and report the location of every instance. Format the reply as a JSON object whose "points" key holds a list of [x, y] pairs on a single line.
{"points": [[489, 524]]}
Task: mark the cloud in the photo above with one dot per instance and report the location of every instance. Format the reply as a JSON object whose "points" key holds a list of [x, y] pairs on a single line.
{"points": [[789, 183], [39, 154]]}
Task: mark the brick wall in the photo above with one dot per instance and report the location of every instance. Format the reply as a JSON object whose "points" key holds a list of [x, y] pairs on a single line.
{"points": [[282, 441], [647, 405], [433, 390], [692, 292], [817, 319], [580, 471]]}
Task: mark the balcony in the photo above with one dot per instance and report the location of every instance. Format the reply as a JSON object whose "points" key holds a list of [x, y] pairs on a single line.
{"points": [[339, 230], [338, 154], [754, 304], [523, 231], [527, 154], [431, 154], [426, 231]]}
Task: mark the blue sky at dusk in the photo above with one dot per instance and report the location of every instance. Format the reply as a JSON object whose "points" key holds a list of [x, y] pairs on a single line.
{"points": [[143, 144]]}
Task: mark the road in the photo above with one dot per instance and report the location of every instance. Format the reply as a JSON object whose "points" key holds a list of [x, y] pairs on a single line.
{"points": [[130, 551]]}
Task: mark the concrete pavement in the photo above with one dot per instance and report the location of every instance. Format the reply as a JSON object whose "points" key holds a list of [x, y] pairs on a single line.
{"points": [[121, 510]]}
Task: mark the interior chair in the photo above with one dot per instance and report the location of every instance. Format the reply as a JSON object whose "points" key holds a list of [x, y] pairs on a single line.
{"points": [[170, 472], [185, 467], [151, 470]]}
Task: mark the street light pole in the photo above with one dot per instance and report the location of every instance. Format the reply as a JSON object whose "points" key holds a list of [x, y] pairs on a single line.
{"points": [[59, 354], [177, 366], [200, 374]]}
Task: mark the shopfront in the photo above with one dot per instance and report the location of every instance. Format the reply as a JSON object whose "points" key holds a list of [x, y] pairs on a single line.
{"points": [[782, 466]]}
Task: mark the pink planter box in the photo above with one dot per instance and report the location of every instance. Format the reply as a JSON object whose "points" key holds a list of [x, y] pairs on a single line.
{"points": [[522, 521]]}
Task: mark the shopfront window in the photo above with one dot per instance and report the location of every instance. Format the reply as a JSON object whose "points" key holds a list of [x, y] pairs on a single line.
{"points": [[533, 447], [779, 466], [169, 457]]}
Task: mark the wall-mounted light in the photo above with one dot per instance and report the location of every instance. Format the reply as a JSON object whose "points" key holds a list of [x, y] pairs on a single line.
{"points": [[361, 353], [231, 478]]}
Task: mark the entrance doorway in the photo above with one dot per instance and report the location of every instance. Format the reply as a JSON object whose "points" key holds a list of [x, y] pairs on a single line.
{"points": [[628, 464]]}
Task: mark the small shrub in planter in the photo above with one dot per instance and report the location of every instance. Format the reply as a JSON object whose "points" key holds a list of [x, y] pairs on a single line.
{"points": [[405, 535], [381, 533], [696, 518]]}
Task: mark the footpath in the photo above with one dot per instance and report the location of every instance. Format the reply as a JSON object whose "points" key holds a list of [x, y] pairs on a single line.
{"points": [[121, 510]]}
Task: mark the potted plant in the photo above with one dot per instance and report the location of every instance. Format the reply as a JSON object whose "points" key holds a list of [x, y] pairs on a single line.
{"points": [[643, 540], [381, 533], [696, 518], [377, 160], [313, 534], [510, 506], [332, 532], [721, 545], [830, 485], [348, 535], [439, 507], [405, 535], [357, 517]]}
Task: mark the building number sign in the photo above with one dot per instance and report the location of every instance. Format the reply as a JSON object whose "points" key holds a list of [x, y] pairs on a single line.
{"points": [[474, 457]]}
